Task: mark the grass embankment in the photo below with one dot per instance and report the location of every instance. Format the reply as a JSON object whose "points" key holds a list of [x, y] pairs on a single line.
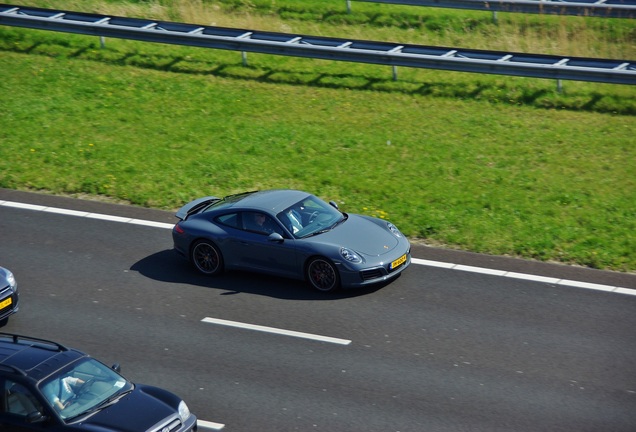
{"points": [[159, 125]]}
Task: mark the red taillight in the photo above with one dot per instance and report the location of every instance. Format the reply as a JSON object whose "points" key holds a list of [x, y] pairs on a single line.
{"points": [[178, 229]]}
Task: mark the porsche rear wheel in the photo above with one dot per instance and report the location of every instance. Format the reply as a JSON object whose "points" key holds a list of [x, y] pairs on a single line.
{"points": [[207, 258], [323, 275]]}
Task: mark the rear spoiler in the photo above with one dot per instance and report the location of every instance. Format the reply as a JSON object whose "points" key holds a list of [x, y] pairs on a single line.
{"points": [[195, 206]]}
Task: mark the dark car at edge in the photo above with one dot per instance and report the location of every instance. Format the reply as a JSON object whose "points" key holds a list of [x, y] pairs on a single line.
{"points": [[9, 298], [47, 387]]}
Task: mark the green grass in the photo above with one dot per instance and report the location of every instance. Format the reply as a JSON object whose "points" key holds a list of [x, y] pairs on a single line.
{"points": [[484, 163]]}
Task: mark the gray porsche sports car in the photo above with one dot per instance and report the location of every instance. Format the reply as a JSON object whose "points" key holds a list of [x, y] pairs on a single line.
{"points": [[289, 233]]}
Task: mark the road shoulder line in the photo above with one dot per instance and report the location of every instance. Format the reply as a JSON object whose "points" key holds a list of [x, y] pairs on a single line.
{"points": [[418, 261], [525, 276]]}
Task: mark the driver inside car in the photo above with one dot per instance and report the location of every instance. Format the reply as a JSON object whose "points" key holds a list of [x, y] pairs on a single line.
{"points": [[295, 220], [61, 392]]}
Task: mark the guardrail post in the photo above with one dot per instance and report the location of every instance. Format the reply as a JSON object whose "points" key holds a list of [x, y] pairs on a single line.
{"points": [[348, 6], [559, 86], [102, 42], [394, 73], [494, 17], [244, 57]]}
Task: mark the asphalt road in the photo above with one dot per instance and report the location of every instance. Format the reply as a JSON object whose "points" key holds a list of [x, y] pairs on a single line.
{"points": [[435, 350]]}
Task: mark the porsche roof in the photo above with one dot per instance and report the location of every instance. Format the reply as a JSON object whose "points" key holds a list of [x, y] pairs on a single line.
{"points": [[274, 200]]}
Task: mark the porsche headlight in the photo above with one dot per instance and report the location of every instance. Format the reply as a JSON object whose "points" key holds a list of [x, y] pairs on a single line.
{"points": [[393, 229], [350, 255], [184, 412]]}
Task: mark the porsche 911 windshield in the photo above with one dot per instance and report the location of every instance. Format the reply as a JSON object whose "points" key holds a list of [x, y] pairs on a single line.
{"points": [[310, 216]]}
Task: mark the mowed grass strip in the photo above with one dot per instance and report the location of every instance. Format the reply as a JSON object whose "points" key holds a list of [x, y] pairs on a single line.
{"points": [[157, 126]]}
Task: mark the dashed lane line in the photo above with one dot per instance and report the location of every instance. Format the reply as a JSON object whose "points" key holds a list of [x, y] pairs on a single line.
{"points": [[209, 426], [429, 263], [273, 330]]}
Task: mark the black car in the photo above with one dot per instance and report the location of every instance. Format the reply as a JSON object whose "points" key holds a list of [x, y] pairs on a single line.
{"points": [[47, 387], [8, 295]]}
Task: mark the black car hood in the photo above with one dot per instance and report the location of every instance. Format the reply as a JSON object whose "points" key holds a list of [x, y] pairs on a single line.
{"points": [[136, 411]]}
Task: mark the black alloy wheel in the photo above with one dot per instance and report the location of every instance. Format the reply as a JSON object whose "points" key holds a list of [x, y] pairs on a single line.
{"points": [[207, 258], [323, 275]]}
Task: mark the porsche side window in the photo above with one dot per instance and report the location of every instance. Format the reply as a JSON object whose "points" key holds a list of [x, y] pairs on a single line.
{"points": [[260, 223], [230, 220]]}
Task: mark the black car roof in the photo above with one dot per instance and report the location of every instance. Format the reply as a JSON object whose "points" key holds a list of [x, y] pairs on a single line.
{"points": [[36, 358]]}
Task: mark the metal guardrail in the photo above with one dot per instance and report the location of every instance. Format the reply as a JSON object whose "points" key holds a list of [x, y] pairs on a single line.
{"points": [[589, 8], [362, 51]]}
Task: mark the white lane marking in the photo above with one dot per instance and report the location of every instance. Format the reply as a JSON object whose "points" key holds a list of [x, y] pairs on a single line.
{"points": [[276, 331], [446, 265], [525, 276], [208, 425], [88, 215]]}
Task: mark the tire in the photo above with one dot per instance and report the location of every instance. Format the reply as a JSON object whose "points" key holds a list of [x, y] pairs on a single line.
{"points": [[322, 275], [207, 258]]}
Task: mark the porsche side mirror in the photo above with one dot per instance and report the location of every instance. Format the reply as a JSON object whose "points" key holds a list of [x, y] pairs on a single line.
{"points": [[334, 205]]}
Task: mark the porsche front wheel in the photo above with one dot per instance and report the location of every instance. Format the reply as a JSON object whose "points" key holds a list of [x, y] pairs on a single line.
{"points": [[323, 275]]}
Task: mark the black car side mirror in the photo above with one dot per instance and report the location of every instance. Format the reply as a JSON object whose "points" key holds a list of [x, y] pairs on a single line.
{"points": [[275, 237], [116, 368], [334, 205], [35, 417]]}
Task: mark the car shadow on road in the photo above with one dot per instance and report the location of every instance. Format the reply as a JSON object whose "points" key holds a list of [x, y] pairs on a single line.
{"points": [[166, 266]]}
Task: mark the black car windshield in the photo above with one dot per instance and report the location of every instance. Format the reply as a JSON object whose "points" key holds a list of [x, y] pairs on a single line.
{"points": [[310, 216], [82, 387]]}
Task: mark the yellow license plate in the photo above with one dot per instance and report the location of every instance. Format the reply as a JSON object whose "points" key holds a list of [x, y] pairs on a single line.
{"points": [[398, 262], [5, 303]]}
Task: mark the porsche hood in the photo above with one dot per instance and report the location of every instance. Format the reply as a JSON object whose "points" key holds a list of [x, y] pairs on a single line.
{"points": [[363, 236]]}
